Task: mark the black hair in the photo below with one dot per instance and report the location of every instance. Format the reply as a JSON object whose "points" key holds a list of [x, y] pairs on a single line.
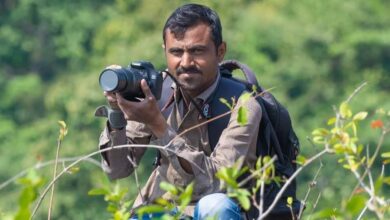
{"points": [[190, 15]]}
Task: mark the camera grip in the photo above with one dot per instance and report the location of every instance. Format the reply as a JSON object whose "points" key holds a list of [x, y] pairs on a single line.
{"points": [[115, 117]]}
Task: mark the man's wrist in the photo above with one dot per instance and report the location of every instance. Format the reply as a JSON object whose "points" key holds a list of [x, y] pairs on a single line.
{"points": [[158, 127]]}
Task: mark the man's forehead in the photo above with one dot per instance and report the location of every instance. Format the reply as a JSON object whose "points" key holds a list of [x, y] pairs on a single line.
{"points": [[196, 34]]}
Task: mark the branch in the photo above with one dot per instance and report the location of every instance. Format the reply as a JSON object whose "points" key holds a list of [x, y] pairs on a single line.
{"points": [[356, 91], [43, 194], [311, 185], [370, 161], [257, 172], [54, 175], [44, 164], [288, 182]]}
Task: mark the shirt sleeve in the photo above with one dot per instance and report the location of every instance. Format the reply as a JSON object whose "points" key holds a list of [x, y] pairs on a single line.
{"points": [[236, 141], [119, 163]]}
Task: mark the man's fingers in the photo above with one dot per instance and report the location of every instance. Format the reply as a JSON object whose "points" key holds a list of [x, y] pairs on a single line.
{"points": [[121, 101], [145, 89]]}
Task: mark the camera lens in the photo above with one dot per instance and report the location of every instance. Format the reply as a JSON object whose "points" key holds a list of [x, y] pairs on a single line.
{"points": [[111, 80]]}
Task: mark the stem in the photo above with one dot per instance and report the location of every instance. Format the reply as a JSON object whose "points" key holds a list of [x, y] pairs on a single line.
{"points": [[261, 196], [281, 191], [54, 176], [315, 205], [44, 164], [356, 91], [370, 162], [136, 177], [311, 185], [43, 194], [257, 172], [364, 210]]}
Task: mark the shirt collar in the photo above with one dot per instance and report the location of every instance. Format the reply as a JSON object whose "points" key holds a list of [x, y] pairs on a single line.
{"points": [[207, 93]]}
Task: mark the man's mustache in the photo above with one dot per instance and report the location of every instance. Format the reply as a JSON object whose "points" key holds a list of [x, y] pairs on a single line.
{"points": [[191, 69]]}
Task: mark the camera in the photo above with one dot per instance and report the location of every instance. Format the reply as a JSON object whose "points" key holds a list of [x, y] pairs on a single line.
{"points": [[127, 80]]}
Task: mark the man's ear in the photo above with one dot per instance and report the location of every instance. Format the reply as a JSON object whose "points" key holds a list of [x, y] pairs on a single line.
{"points": [[221, 51], [163, 46]]}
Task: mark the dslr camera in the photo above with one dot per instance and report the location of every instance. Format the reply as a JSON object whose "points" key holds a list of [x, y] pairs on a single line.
{"points": [[127, 80]]}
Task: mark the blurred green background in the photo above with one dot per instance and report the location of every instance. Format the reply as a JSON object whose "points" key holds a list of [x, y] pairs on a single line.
{"points": [[313, 53]]}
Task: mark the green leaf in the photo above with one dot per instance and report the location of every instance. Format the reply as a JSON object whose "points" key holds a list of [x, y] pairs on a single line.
{"points": [[161, 201], [224, 101], [360, 116], [320, 132], [111, 208], [149, 209], [63, 130], [245, 97], [242, 117], [331, 121], [386, 155], [289, 201], [386, 180], [301, 160], [98, 191], [345, 111], [356, 204], [169, 188], [27, 196], [73, 170], [326, 213], [185, 197], [242, 197]]}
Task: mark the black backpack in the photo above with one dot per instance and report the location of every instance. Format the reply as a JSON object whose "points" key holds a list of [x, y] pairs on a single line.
{"points": [[276, 135]]}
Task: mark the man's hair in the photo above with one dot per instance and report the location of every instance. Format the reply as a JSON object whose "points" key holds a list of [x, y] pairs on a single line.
{"points": [[190, 15]]}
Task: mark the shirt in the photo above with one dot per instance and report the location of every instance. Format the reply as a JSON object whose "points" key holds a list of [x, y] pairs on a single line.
{"points": [[236, 141]]}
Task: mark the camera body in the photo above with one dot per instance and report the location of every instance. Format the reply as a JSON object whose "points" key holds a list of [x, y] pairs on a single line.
{"points": [[127, 80]]}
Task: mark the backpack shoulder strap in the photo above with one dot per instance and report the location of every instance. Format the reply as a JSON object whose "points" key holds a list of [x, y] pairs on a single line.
{"points": [[231, 65], [227, 88]]}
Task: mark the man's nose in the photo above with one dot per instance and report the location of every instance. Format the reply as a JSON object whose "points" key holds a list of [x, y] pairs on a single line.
{"points": [[187, 60]]}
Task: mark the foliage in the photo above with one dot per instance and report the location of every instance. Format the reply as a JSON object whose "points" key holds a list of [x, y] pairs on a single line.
{"points": [[117, 203], [31, 183], [170, 209], [312, 52]]}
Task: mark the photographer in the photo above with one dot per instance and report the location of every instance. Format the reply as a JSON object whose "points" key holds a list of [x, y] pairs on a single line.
{"points": [[193, 46]]}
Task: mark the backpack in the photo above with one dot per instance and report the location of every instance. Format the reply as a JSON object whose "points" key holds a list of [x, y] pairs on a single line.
{"points": [[276, 135]]}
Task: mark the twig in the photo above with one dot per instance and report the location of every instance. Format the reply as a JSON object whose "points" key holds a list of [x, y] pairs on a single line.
{"points": [[315, 204], [54, 175], [136, 177], [261, 199], [288, 182], [43, 194], [364, 210], [42, 165], [257, 172], [311, 185], [356, 91]]}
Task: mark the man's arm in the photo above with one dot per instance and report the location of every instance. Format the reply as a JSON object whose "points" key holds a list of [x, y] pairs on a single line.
{"points": [[116, 162]]}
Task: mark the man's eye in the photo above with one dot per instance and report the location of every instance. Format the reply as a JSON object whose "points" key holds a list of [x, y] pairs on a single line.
{"points": [[197, 51], [176, 52]]}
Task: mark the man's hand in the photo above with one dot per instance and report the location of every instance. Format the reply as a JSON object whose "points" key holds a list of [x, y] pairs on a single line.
{"points": [[146, 111]]}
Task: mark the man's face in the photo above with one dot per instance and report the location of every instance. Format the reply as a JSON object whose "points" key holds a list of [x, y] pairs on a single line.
{"points": [[193, 59]]}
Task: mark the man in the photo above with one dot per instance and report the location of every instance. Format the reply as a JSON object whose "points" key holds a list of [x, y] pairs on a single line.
{"points": [[193, 48]]}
